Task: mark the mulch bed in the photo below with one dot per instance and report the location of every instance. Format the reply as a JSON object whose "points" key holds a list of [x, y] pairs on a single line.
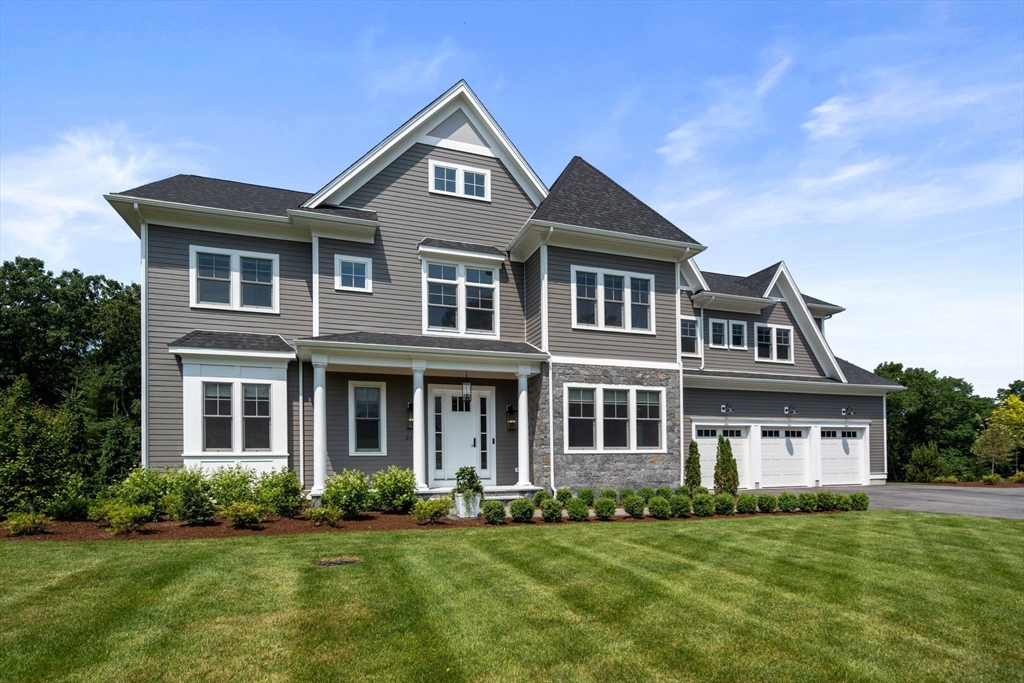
{"points": [[219, 528]]}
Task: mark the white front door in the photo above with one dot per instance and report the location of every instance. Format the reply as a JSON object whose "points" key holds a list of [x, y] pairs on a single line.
{"points": [[462, 434], [784, 456]]}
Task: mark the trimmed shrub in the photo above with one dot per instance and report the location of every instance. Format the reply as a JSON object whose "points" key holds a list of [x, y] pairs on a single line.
{"points": [[645, 493], [680, 504], [945, 480], [432, 510], [279, 493], [766, 502], [604, 508], [659, 507], [609, 493], [578, 510], [703, 505], [586, 495], [72, 509], [189, 500], [808, 501], [493, 511], [540, 497], [521, 510], [323, 515], [700, 489], [1016, 477], [25, 523], [826, 501], [396, 489], [634, 506], [727, 477], [663, 492], [123, 516], [243, 514], [564, 495], [788, 502], [144, 486], [551, 510], [843, 502], [990, 479], [625, 493], [725, 504], [348, 491], [682, 491], [859, 501], [230, 485], [691, 469], [746, 504], [98, 510], [372, 503]]}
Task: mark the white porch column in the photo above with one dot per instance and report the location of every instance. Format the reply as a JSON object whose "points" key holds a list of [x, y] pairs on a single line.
{"points": [[419, 455], [523, 427], [319, 424]]}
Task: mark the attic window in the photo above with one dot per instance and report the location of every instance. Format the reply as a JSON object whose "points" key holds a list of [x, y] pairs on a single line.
{"points": [[459, 181]]}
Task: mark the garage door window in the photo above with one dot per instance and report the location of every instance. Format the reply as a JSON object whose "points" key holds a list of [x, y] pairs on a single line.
{"points": [[705, 433], [828, 433], [769, 433], [850, 435], [731, 433], [794, 434]]}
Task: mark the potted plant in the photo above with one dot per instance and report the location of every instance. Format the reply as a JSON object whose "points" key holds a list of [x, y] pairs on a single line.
{"points": [[469, 491]]}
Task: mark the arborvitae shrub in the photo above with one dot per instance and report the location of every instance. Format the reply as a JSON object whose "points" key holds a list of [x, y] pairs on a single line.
{"points": [[826, 501], [521, 510], [578, 510], [540, 496], [609, 493], [604, 508], [746, 504], [646, 493], [766, 502], [703, 505], [551, 510], [680, 504], [586, 495], [564, 495], [493, 511], [808, 501], [691, 469], [659, 507], [725, 504], [788, 502], [727, 478], [859, 501], [634, 506]]}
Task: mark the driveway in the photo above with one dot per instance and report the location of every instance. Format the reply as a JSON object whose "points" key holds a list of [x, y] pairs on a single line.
{"points": [[958, 500]]}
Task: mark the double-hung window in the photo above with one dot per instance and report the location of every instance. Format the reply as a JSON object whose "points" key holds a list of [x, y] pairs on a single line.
{"points": [[717, 333], [612, 300], [216, 416], [256, 417], [459, 181], [614, 418], [774, 343], [367, 418], [353, 273], [460, 298], [689, 332], [236, 280], [737, 334]]}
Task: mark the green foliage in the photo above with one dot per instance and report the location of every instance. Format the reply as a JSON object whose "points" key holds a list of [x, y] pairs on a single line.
{"points": [[766, 502], [625, 493], [348, 491], [243, 514], [521, 510], [230, 485], [691, 469], [843, 502], [586, 495], [189, 499], [746, 503], [609, 493], [725, 504], [703, 505], [323, 515], [995, 445], [372, 503], [279, 493], [788, 502], [493, 511], [945, 480], [564, 495], [659, 507], [645, 493], [925, 463], [432, 510], [727, 477], [124, 516], [396, 489], [827, 501], [578, 510], [144, 486], [990, 479], [859, 501], [551, 510], [120, 449], [604, 508], [1016, 477], [663, 492], [634, 506], [98, 510], [700, 489], [25, 523], [808, 501], [70, 502], [467, 482], [680, 504], [540, 496]]}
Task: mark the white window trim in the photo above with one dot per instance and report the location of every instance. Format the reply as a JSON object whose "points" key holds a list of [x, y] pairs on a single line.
{"points": [[460, 175], [236, 279], [461, 284], [737, 347], [700, 348], [627, 300], [599, 390], [773, 359], [368, 262], [725, 333], [352, 418]]}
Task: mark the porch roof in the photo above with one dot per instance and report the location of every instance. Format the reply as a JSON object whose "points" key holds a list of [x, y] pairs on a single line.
{"points": [[381, 344]]}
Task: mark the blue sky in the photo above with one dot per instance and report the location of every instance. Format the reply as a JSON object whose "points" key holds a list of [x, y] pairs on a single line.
{"points": [[877, 148]]}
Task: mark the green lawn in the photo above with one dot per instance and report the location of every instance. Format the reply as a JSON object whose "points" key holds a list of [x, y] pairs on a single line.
{"points": [[880, 595]]}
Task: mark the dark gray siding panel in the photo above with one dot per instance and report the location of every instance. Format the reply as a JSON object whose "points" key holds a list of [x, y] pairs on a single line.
{"points": [[171, 317], [532, 300], [562, 339], [307, 420], [804, 362], [408, 213]]}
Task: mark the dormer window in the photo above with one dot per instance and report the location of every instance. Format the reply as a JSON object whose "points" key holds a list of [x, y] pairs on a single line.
{"points": [[459, 181], [774, 343]]}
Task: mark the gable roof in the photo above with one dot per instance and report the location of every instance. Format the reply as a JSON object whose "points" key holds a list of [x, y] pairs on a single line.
{"points": [[858, 375], [586, 197], [424, 341], [232, 341], [755, 286]]}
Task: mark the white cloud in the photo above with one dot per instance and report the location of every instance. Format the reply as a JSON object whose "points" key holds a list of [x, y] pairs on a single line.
{"points": [[405, 70], [772, 77], [51, 198]]}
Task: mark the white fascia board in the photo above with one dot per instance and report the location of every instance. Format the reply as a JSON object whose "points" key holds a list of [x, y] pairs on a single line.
{"points": [[459, 255], [730, 302], [791, 293], [534, 233], [334, 227], [408, 133], [187, 352], [191, 216], [692, 272], [786, 385], [819, 311]]}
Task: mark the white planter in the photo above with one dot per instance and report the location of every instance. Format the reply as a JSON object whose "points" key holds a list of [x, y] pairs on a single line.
{"points": [[467, 506]]}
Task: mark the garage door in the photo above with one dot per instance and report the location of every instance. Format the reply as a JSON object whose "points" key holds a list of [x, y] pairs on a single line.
{"points": [[707, 444], [841, 456], [784, 456]]}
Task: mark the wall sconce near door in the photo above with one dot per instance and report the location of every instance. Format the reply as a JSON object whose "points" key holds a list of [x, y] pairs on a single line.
{"points": [[848, 411], [467, 390], [511, 418], [790, 410], [726, 407], [408, 415]]}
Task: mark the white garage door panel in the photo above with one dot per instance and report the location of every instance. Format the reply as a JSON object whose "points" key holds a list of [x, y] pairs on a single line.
{"points": [[708, 447], [784, 459], [841, 458]]}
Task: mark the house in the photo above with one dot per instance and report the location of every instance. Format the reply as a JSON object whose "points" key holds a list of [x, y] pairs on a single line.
{"points": [[436, 305]]}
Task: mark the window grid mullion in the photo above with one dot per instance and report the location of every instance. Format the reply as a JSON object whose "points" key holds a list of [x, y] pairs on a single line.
{"points": [[599, 418]]}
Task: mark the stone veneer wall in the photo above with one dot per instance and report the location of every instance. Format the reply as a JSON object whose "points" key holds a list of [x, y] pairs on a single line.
{"points": [[608, 470]]}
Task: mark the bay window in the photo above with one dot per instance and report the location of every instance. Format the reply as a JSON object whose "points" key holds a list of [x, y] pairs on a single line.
{"points": [[256, 417], [612, 300], [629, 418], [216, 416]]}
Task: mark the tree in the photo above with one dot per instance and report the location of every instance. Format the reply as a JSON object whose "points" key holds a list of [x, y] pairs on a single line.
{"points": [[995, 445], [1016, 388], [691, 468], [1010, 414], [727, 478], [925, 463]]}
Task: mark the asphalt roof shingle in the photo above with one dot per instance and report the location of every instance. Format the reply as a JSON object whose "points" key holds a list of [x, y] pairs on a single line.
{"points": [[232, 341], [428, 342], [750, 285], [853, 373], [584, 196]]}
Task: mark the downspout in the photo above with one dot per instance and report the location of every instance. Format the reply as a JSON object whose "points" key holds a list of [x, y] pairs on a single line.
{"points": [[302, 431], [701, 335], [144, 331], [679, 360], [551, 369]]}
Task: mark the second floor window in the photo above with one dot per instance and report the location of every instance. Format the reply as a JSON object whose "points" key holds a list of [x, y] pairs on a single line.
{"points": [[353, 273], [688, 333], [612, 300], [461, 298], [774, 343], [213, 275], [459, 181], [257, 282], [237, 280]]}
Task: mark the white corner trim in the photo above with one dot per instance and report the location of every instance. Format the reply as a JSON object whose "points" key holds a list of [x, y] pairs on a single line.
{"points": [[352, 418], [368, 262], [460, 180], [236, 256], [543, 297], [144, 292], [316, 286], [627, 300]]}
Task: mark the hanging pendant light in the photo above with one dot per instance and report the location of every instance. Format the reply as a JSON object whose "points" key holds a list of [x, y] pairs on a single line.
{"points": [[467, 389]]}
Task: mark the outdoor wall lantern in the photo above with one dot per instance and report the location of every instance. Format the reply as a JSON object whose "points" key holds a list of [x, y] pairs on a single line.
{"points": [[511, 418], [790, 410], [848, 411], [408, 415], [467, 390], [726, 407]]}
